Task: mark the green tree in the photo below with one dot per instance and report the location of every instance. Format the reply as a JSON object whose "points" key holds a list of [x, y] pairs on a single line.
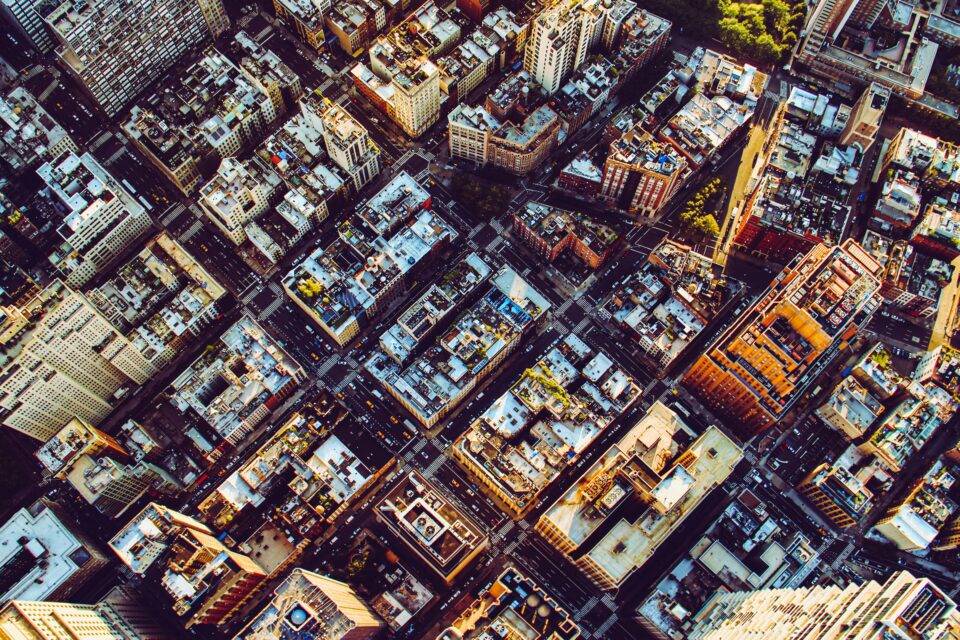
{"points": [[707, 225]]}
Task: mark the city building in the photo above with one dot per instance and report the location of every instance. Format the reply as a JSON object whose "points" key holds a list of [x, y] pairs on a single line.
{"points": [[205, 580], [581, 176], [446, 539], [28, 135], [908, 425], [560, 37], [914, 522], [851, 409], [938, 232], [667, 303], [106, 620], [402, 80], [237, 382], [41, 558], [238, 194], [912, 608], [803, 195], [838, 490], [212, 111], [116, 49], [941, 365], [751, 545], [913, 279], [757, 368], [309, 605], [100, 469], [63, 359], [419, 322], [899, 203], [618, 513], [482, 337], [476, 135], [349, 145], [344, 285], [161, 299], [834, 47], [22, 16], [528, 436], [355, 23], [322, 477], [513, 606], [641, 173], [101, 219], [305, 18], [865, 119], [551, 231], [703, 126]]}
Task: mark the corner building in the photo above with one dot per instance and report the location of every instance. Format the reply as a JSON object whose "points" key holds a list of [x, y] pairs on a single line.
{"points": [[755, 371]]}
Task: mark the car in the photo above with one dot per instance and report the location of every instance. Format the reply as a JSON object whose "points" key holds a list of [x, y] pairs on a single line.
{"points": [[394, 420], [369, 404], [314, 356]]}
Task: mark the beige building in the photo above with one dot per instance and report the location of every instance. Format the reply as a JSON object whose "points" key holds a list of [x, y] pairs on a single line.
{"points": [[63, 359], [23, 620], [864, 122], [901, 607], [646, 484], [347, 141], [309, 605], [99, 468], [238, 194]]}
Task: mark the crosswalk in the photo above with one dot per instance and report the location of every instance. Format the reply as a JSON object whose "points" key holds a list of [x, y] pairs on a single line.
{"points": [[192, 231], [172, 214], [583, 324], [328, 364]]}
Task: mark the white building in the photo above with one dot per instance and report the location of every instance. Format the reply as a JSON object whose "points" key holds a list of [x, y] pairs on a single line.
{"points": [[41, 558], [237, 194], [101, 218], [560, 37]]}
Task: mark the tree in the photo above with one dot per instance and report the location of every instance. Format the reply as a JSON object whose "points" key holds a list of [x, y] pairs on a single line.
{"points": [[707, 225]]}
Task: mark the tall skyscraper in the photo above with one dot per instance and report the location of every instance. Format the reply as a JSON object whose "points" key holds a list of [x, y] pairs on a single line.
{"points": [[901, 607], [116, 48], [347, 141], [759, 366], [308, 605], [206, 580], [62, 359], [99, 468], [560, 37], [21, 620]]}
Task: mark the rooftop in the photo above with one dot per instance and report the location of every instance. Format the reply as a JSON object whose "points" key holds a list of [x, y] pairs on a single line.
{"points": [[637, 147], [401, 340], [160, 296], [343, 281], [235, 377], [435, 380], [513, 607], [38, 554], [27, 132], [538, 428], [670, 299], [431, 525], [645, 486]]}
